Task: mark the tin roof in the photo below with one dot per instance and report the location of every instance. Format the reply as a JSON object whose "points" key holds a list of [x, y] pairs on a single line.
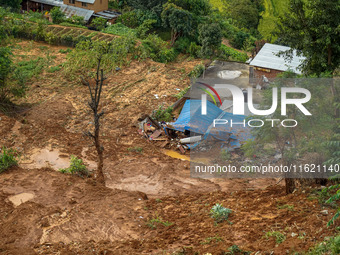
{"points": [[87, 1], [268, 58], [50, 2], [71, 10]]}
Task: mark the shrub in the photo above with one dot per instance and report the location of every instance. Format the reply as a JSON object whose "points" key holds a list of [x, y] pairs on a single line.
{"points": [[155, 48], [162, 114], [129, 19], [197, 71], [210, 37], [99, 23], [220, 213], [77, 167], [143, 29], [239, 39], [329, 246], [182, 45], [119, 29], [279, 237], [57, 15], [7, 159], [227, 52], [194, 50]]}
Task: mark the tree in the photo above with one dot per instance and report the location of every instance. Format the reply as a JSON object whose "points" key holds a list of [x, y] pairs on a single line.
{"points": [[14, 4], [94, 104], [245, 13], [210, 37], [99, 23], [180, 21], [313, 28], [197, 7], [57, 15]]}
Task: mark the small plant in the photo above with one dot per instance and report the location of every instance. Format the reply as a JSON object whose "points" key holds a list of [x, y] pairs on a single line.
{"points": [[279, 237], [153, 223], [197, 71], [235, 250], [215, 239], [7, 159], [68, 50], [182, 93], [225, 155], [77, 167], [288, 207], [135, 149], [162, 114], [329, 246], [220, 213], [54, 69]]}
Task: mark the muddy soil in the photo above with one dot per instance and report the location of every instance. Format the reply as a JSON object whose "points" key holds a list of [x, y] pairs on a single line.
{"points": [[46, 212]]}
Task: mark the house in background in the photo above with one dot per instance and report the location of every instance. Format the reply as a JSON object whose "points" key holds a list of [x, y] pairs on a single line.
{"points": [[267, 64], [85, 8]]}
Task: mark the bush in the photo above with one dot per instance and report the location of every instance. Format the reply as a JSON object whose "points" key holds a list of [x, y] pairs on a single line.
{"points": [[143, 29], [162, 114], [157, 50], [57, 15], [194, 50], [129, 19], [119, 29], [7, 159], [99, 23], [239, 39], [330, 246], [197, 71], [226, 52], [182, 45], [77, 167], [220, 213]]}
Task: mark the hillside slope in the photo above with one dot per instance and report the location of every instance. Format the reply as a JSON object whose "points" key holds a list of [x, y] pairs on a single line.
{"points": [[273, 9]]}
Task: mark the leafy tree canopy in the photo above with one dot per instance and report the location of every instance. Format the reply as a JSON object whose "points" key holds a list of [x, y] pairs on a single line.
{"points": [[197, 7], [15, 4], [313, 28]]}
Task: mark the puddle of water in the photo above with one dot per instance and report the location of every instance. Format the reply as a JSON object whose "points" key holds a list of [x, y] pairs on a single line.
{"points": [[21, 198], [175, 154], [53, 159], [229, 75]]}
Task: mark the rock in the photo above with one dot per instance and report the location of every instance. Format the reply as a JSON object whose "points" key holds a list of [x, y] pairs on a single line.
{"points": [[324, 212]]}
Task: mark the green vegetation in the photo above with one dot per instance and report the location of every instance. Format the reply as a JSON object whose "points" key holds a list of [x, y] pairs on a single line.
{"points": [[57, 15], [235, 250], [135, 149], [180, 94], [99, 23], [197, 71], [213, 239], [288, 207], [162, 114], [8, 159], [273, 9], [279, 237], [225, 155], [77, 167], [119, 29], [331, 245], [158, 221], [54, 69], [220, 213]]}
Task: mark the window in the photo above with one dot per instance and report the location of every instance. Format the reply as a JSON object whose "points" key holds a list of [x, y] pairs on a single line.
{"points": [[84, 4], [71, 1]]}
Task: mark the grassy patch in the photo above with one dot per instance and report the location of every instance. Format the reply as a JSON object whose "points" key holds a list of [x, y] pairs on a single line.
{"points": [[135, 149], [7, 159], [77, 167], [157, 221], [54, 69], [279, 237], [213, 239]]}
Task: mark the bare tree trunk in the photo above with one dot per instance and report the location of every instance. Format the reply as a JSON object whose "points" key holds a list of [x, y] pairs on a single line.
{"points": [[94, 105]]}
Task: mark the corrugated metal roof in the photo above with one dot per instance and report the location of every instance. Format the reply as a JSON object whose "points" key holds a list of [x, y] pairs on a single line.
{"points": [[268, 58], [50, 2], [86, 1], [71, 10], [107, 14]]}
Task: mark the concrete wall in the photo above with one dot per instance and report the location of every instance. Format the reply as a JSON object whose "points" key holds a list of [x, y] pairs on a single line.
{"points": [[98, 6]]}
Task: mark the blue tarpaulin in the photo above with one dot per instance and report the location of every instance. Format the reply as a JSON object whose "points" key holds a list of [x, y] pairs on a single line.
{"points": [[191, 119]]}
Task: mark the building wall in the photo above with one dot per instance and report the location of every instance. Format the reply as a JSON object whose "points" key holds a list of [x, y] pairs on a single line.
{"points": [[98, 6], [256, 74]]}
